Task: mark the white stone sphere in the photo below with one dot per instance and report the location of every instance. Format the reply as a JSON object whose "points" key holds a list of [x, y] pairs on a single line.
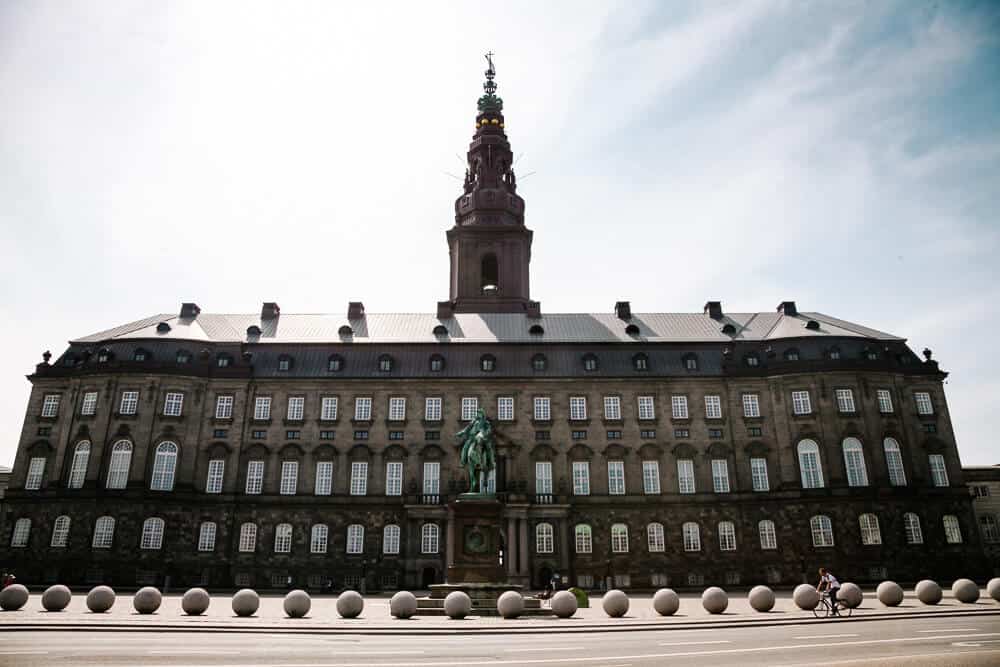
{"points": [[100, 599], [615, 603], [403, 604], [666, 602], [13, 597], [147, 600], [457, 604], [245, 602], [805, 597], [889, 593], [714, 600], [510, 604], [350, 604], [195, 601], [564, 604], [850, 595], [965, 590], [56, 598], [928, 591], [993, 588], [297, 603], [761, 598]]}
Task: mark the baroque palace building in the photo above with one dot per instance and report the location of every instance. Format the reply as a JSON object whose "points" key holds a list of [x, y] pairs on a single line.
{"points": [[635, 449]]}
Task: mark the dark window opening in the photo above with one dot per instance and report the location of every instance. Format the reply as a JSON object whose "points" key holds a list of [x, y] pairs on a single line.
{"points": [[489, 275]]}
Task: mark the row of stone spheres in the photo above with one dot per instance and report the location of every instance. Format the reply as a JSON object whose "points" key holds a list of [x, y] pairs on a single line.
{"points": [[510, 604]]}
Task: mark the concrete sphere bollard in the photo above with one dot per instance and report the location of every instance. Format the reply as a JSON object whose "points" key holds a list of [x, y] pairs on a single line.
{"points": [[761, 598], [56, 598], [805, 597], [928, 591], [564, 604], [615, 603], [147, 600], [965, 590], [714, 600], [457, 605], [245, 602], [850, 595], [403, 604], [195, 601], [297, 603], [666, 602], [100, 599], [993, 588], [13, 597], [889, 593], [350, 604], [510, 604]]}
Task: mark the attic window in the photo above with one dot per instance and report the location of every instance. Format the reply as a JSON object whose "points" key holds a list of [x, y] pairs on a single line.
{"points": [[791, 354], [752, 360], [589, 362], [539, 362], [690, 362], [871, 355], [223, 361], [640, 362], [284, 363], [536, 330], [162, 327], [812, 325], [437, 363], [70, 361], [729, 330], [140, 355], [335, 363], [385, 363], [487, 363], [183, 357], [345, 331], [253, 331], [632, 330], [440, 330], [833, 354], [103, 355]]}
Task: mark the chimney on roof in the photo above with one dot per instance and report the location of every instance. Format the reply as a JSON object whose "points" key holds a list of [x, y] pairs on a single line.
{"points": [[269, 311], [355, 310], [446, 309], [623, 310], [190, 310], [534, 310], [788, 308], [714, 309]]}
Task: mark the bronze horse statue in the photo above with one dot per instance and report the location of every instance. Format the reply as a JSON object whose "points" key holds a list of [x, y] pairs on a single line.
{"points": [[478, 450]]}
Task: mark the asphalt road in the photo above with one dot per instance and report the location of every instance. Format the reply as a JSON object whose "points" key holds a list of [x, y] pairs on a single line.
{"points": [[930, 641]]}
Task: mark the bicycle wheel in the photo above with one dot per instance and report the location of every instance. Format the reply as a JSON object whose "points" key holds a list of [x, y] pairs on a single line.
{"points": [[822, 610], [846, 611]]}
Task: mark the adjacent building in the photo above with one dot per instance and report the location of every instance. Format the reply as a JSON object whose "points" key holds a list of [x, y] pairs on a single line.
{"points": [[984, 485]]}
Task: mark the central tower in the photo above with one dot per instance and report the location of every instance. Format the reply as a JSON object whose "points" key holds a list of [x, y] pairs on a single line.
{"points": [[489, 246]]}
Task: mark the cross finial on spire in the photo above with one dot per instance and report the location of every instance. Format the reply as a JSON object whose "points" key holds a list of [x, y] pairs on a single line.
{"points": [[490, 86]]}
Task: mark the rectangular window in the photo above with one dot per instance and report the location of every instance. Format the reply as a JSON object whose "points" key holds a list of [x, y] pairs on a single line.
{"points": [[884, 401], [924, 405], [715, 433], [651, 477], [845, 401], [289, 478], [543, 477], [129, 403], [258, 435], [755, 431], [581, 478], [255, 477], [262, 408], [394, 478], [89, 404], [359, 478], [396, 435], [578, 435], [543, 435], [685, 476], [328, 409], [324, 478], [801, 405], [682, 433], [679, 407], [758, 474], [939, 474], [432, 435], [751, 405], [543, 408], [216, 473], [616, 478], [720, 475], [327, 435], [361, 435], [293, 435], [432, 478], [614, 435], [505, 408], [223, 407], [647, 434], [432, 409], [172, 404], [220, 433], [612, 408], [362, 409], [470, 406], [713, 407], [36, 469], [646, 408], [206, 537], [397, 409], [355, 539], [577, 408], [248, 538], [50, 405], [296, 408]]}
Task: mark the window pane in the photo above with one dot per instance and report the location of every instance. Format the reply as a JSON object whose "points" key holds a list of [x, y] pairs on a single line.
{"points": [[651, 477], [685, 476], [581, 478], [758, 472]]}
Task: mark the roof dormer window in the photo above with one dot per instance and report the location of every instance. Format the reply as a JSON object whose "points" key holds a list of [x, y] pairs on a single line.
{"points": [[539, 362], [345, 331], [640, 362], [589, 363], [103, 355], [487, 363], [752, 360], [284, 363], [162, 328], [183, 357], [632, 330], [385, 363], [140, 355], [440, 330], [437, 363], [791, 354], [223, 361], [690, 362], [833, 354], [335, 363], [536, 330], [729, 329]]}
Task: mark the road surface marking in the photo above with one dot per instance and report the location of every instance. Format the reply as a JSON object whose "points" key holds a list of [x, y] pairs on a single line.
{"points": [[976, 644], [24, 652], [544, 648], [719, 641], [823, 636], [951, 630]]}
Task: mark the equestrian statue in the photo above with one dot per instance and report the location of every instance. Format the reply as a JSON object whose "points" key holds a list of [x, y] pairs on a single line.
{"points": [[478, 451]]}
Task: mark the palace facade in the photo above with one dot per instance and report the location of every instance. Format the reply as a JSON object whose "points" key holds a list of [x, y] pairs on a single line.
{"points": [[635, 449]]}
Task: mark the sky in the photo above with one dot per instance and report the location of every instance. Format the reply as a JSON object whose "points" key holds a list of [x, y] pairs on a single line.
{"points": [[844, 155]]}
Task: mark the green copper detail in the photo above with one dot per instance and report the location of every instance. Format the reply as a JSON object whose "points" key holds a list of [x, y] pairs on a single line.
{"points": [[490, 101], [478, 451]]}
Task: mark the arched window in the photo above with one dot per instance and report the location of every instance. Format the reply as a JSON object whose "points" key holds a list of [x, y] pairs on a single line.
{"points": [[632, 330], [385, 363], [248, 538], [727, 536], [822, 531], [809, 465], [489, 275], [952, 529], [104, 532], [854, 462], [692, 536], [584, 539], [487, 363], [60, 531], [911, 525], [335, 363], [164, 465], [536, 330], [390, 539], [283, 538], [206, 536], [78, 467], [152, 534], [894, 462], [870, 533], [619, 538], [437, 363], [640, 362], [121, 459], [989, 529], [768, 536], [22, 531], [440, 330], [539, 362], [429, 538], [589, 362], [355, 538], [319, 538], [654, 536], [543, 538]]}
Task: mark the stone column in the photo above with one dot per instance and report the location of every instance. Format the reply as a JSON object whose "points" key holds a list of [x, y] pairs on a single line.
{"points": [[523, 547], [563, 546], [450, 549], [510, 548]]}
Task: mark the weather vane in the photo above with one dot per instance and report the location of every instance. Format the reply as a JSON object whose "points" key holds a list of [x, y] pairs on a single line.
{"points": [[490, 86]]}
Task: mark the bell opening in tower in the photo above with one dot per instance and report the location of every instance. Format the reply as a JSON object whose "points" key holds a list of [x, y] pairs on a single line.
{"points": [[489, 282]]}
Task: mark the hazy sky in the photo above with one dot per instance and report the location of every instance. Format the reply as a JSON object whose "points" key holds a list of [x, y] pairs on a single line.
{"points": [[842, 155]]}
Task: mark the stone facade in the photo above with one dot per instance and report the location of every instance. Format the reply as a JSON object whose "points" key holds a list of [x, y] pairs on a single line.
{"points": [[984, 485]]}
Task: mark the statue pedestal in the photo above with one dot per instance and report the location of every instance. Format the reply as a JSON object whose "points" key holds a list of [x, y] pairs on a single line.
{"points": [[476, 521]]}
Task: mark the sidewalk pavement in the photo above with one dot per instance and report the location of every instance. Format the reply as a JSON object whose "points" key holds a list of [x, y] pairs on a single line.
{"points": [[375, 618]]}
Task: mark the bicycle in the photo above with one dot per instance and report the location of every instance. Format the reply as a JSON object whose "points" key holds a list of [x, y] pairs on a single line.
{"points": [[825, 610]]}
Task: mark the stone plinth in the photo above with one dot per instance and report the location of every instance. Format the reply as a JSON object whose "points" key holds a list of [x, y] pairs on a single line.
{"points": [[475, 522]]}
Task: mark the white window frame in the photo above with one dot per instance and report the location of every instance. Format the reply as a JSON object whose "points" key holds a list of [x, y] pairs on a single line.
{"points": [[922, 399], [577, 408], [432, 478], [104, 532], [215, 475], [89, 404], [822, 531], [470, 406], [938, 469], [21, 534], [691, 536], [544, 538], [679, 407], [727, 536], [801, 402], [583, 538], [296, 409], [248, 538], [390, 539], [854, 462], [393, 478], [613, 408], [542, 408], [616, 478], [60, 532], [283, 538], [751, 405], [870, 532], [647, 408], [355, 538], [152, 534], [319, 538], [323, 483], [655, 539], [894, 462], [206, 536], [50, 405], [581, 478], [713, 406], [78, 467], [224, 406], [164, 467], [845, 401], [119, 465], [430, 538], [685, 476], [810, 466], [36, 471], [720, 475], [397, 408], [289, 484], [173, 404], [255, 477], [651, 477], [359, 478], [543, 477], [262, 408], [362, 408], [129, 403], [505, 408], [952, 529], [768, 535], [758, 474], [619, 538], [328, 408], [432, 409], [884, 397]]}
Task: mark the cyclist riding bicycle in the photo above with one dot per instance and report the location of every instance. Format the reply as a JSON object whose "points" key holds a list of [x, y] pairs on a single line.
{"points": [[828, 582]]}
